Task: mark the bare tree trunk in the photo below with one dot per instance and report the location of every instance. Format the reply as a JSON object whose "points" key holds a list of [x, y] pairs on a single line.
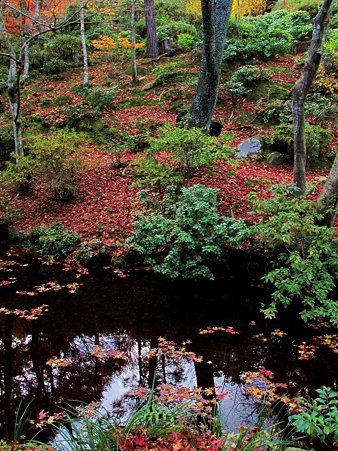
{"points": [[301, 88], [26, 63], [13, 87], [152, 44], [133, 47], [84, 45], [215, 14], [328, 200]]}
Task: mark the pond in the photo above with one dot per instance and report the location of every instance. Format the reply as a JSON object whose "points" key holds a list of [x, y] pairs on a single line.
{"points": [[58, 357]]}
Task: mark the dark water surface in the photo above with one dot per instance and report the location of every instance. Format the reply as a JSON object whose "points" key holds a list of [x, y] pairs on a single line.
{"points": [[130, 314]]}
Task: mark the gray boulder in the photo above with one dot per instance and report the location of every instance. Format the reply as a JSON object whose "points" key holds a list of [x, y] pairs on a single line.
{"points": [[249, 147], [275, 159]]}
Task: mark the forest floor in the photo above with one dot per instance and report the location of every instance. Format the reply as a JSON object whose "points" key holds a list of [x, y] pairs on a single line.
{"points": [[106, 202]]}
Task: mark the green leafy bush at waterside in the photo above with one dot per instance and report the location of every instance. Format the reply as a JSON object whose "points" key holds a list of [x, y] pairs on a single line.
{"points": [[184, 153], [266, 36], [303, 255], [52, 156], [318, 417], [187, 236], [54, 242]]}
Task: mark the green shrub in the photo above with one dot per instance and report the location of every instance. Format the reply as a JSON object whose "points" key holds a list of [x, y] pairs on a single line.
{"points": [[189, 151], [64, 46], [242, 80], [249, 75], [303, 255], [186, 40], [318, 417], [54, 157], [266, 36], [187, 237], [99, 98], [317, 139], [276, 111], [6, 142], [54, 66], [54, 242], [173, 30], [163, 73]]}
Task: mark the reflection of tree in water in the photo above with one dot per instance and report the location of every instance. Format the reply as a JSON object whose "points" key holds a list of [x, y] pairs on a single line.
{"points": [[130, 315], [27, 376]]}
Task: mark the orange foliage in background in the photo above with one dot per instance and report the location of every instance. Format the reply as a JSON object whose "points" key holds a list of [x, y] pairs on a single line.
{"points": [[17, 13], [106, 43], [248, 7]]}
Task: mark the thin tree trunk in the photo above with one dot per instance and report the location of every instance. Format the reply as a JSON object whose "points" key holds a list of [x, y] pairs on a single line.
{"points": [[300, 90], [328, 200], [26, 63], [84, 45], [13, 87], [152, 44], [215, 14], [133, 44]]}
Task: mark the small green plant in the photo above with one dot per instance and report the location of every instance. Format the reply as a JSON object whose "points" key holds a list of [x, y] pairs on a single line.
{"points": [[164, 73], [318, 417], [186, 40], [174, 157], [187, 237], [242, 80], [53, 242], [99, 98], [54, 157], [303, 255], [54, 66]]}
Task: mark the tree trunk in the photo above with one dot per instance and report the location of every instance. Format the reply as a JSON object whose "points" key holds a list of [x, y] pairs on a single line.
{"points": [[13, 87], [215, 14], [152, 45], [301, 89], [328, 201], [84, 45], [133, 48], [26, 63]]}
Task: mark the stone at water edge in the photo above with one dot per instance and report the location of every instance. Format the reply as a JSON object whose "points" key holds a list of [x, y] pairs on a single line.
{"points": [[248, 147]]}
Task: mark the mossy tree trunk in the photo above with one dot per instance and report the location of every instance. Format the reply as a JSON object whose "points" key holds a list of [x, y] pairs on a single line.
{"points": [[215, 15], [301, 88], [13, 84], [152, 44]]}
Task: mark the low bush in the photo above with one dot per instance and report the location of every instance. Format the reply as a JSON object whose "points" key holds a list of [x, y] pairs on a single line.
{"points": [[53, 242], [317, 140], [64, 46], [242, 80], [303, 255], [174, 157], [54, 66], [187, 237], [52, 156], [318, 417], [268, 35]]}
